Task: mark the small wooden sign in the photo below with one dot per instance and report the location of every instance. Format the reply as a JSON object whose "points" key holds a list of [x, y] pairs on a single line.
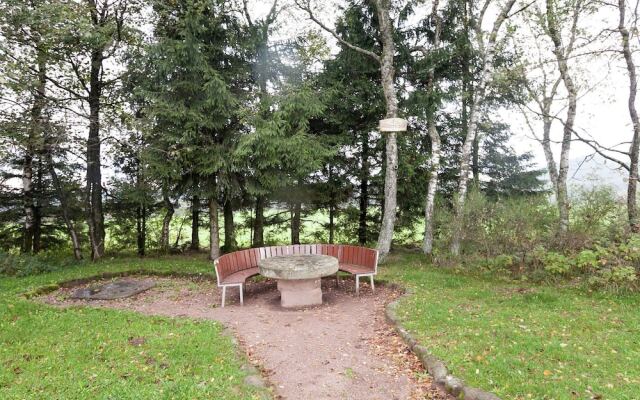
{"points": [[393, 125]]}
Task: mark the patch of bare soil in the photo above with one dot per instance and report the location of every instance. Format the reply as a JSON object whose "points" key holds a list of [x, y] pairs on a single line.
{"points": [[343, 349]]}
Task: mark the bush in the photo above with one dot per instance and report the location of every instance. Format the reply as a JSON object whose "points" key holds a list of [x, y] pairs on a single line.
{"points": [[615, 278], [556, 263], [25, 264]]}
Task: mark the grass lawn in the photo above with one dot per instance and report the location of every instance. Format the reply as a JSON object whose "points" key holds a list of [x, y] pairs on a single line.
{"points": [[84, 353], [523, 341]]}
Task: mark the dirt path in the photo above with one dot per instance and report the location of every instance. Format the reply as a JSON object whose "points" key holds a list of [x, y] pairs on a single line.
{"points": [[343, 349]]}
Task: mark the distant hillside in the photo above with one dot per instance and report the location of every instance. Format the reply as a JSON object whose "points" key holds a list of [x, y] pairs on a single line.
{"points": [[597, 172]]}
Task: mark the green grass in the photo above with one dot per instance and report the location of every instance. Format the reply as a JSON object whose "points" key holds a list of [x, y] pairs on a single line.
{"points": [[522, 341], [518, 340], [85, 353]]}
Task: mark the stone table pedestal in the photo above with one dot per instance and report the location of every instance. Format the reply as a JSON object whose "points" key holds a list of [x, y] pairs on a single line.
{"points": [[299, 277]]}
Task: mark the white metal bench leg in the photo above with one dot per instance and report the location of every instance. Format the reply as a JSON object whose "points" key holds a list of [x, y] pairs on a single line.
{"points": [[224, 294], [241, 295], [357, 285], [373, 289]]}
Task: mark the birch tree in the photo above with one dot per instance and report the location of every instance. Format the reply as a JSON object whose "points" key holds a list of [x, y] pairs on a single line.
{"points": [[431, 87], [626, 159], [387, 73], [548, 102], [562, 52], [486, 43]]}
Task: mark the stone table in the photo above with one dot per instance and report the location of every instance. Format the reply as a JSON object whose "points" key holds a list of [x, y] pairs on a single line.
{"points": [[299, 277]]}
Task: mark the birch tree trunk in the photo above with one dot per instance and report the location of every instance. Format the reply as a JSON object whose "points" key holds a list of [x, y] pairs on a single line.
{"points": [[488, 50], [427, 242], [563, 169], [214, 230], [632, 188], [387, 72]]}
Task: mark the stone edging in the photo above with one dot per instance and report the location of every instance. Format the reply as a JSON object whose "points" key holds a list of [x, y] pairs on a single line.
{"points": [[436, 368]]}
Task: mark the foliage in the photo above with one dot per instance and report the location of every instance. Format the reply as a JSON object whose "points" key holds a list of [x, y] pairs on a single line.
{"points": [[26, 264]]}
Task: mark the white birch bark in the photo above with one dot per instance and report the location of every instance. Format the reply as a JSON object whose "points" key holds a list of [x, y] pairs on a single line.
{"points": [[489, 49]]}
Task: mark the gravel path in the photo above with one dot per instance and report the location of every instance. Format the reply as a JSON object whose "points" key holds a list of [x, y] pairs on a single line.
{"points": [[343, 349]]}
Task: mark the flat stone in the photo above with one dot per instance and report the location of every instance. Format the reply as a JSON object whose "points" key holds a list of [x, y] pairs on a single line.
{"points": [[298, 266], [119, 289]]}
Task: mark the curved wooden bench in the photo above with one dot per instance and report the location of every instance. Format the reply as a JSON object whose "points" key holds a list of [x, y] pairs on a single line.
{"points": [[233, 269]]}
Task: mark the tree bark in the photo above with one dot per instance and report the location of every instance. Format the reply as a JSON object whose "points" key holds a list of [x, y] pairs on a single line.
{"points": [[296, 222], [37, 209], [229, 228], [632, 187], [563, 170], [258, 222], [214, 230], [166, 220], [364, 190], [35, 133], [141, 226], [28, 200], [427, 242], [475, 161], [488, 50], [195, 223], [95, 216], [64, 205], [387, 72], [332, 225]]}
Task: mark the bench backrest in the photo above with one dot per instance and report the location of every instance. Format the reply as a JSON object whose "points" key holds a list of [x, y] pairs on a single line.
{"points": [[237, 261]]}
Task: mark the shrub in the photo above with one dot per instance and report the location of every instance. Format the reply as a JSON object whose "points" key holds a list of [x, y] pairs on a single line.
{"points": [[616, 278], [26, 264], [556, 263], [586, 259]]}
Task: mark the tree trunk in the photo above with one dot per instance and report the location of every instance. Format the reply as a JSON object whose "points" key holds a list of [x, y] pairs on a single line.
{"points": [[427, 243], [37, 210], [548, 153], [563, 170], [332, 226], [632, 188], [229, 228], [35, 130], [195, 223], [295, 222], [214, 230], [387, 72], [478, 97], [66, 215], [27, 195], [140, 228], [258, 222], [95, 217], [364, 190], [166, 220], [475, 161]]}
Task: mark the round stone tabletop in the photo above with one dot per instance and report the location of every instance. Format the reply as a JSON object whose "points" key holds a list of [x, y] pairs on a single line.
{"points": [[298, 266]]}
